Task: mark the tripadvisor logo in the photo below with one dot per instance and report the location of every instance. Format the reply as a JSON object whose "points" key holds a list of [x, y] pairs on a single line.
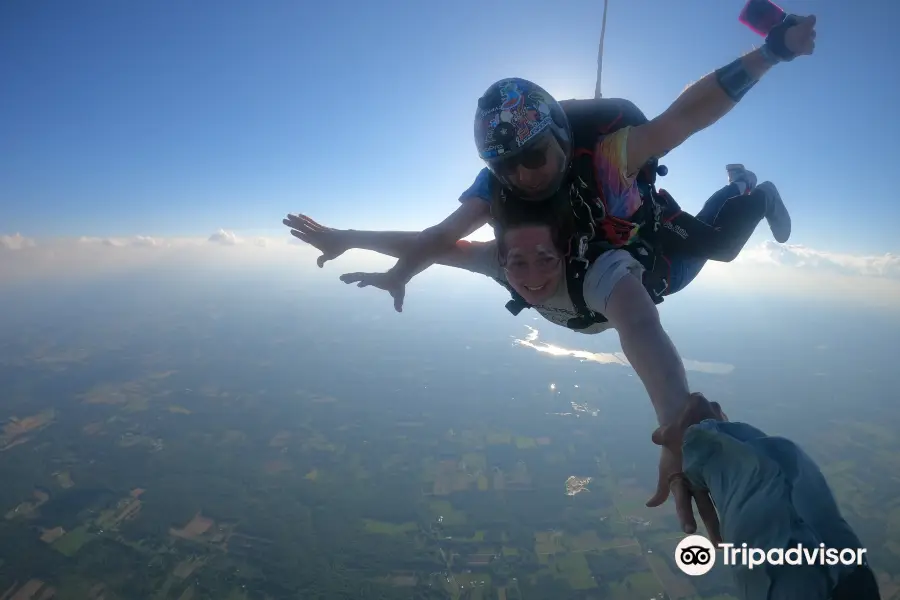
{"points": [[696, 555]]}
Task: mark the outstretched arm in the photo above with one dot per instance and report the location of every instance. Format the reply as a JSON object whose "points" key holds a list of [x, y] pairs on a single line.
{"points": [[425, 248], [708, 100], [654, 358], [462, 254], [474, 211], [612, 287], [648, 347], [479, 257]]}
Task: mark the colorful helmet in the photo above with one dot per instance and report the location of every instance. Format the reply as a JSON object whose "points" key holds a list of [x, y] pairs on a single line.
{"points": [[513, 123]]}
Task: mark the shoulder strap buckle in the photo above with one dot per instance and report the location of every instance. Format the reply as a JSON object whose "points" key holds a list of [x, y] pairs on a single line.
{"points": [[582, 251], [515, 306]]}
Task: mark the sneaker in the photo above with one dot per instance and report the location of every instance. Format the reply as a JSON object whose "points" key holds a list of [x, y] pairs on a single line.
{"points": [[776, 212], [738, 174]]}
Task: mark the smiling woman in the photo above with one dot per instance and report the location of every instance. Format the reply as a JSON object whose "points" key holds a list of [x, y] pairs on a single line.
{"points": [[530, 247], [532, 262]]}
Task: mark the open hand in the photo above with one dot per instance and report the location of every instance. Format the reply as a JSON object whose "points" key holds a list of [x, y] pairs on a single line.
{"points": [[330, 242], [383, 281], [671, 478]]}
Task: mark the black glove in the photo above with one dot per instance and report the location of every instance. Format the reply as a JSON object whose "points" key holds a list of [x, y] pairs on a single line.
{"points": [[775, 39]]}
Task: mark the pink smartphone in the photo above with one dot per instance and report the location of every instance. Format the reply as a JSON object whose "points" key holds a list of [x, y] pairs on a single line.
{"points": [[761, 16]]}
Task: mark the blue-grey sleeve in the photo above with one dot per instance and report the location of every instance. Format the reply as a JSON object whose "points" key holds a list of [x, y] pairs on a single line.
{"points": [[769, 494], [482, 188]]}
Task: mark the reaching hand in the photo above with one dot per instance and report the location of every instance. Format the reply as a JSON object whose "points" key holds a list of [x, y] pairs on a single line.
{"points": [[697, 409], [671, 478], [800, 38], [383, 281], [330, 242]]}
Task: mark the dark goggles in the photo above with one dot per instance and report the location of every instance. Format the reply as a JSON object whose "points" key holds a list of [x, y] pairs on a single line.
{"points": [[534, 157]]}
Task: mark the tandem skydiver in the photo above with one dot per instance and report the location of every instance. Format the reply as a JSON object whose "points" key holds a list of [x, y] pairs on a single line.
{"points": [[536, 148], [523, 135], [485, 257]]}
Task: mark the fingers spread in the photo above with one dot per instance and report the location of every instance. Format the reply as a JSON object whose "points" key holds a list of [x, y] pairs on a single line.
{"points": [[303, 223], [310, 224]]}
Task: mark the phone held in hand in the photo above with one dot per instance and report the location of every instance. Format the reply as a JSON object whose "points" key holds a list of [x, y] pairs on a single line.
{"points": [[761, 16]]}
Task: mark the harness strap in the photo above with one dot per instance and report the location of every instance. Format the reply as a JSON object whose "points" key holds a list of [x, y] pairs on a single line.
{"points": [[592, 213], [655, 279], [517, 304], [575, 286]]}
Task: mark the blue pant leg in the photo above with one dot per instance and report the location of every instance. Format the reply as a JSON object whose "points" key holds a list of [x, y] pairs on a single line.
{"points": [[684, 270]]}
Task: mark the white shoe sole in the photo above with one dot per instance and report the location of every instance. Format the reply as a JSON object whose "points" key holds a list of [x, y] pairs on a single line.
{"points": [[776, 213], [748, 177]]}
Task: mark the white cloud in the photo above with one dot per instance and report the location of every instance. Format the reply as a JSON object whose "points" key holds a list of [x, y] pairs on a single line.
{"points": [[136, 241], [800, 257], [766, 270], [226, 238], [774, 270], [92, 256], [143, 240], [15, 241]]}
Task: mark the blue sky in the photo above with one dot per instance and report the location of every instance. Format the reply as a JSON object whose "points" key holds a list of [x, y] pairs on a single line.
{"points": [[179, 118]]}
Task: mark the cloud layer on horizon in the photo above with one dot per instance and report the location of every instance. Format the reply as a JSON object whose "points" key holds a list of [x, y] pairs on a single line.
{"points": [[28, 259], [801, 257], [768, 268]]}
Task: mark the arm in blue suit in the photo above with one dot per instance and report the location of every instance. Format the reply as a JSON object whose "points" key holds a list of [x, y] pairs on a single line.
{"points": [[768, 494]]}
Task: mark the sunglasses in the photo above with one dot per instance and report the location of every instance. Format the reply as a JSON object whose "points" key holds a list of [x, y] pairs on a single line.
{"points": [[532, 158]]}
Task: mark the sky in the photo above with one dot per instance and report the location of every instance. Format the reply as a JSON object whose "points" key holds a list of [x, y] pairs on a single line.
{"points": [[155, 120]]}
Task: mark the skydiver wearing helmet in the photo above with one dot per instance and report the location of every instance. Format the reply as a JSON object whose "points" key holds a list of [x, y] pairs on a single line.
{"points": [[533, 148], [623, 147], [603, 173]]}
